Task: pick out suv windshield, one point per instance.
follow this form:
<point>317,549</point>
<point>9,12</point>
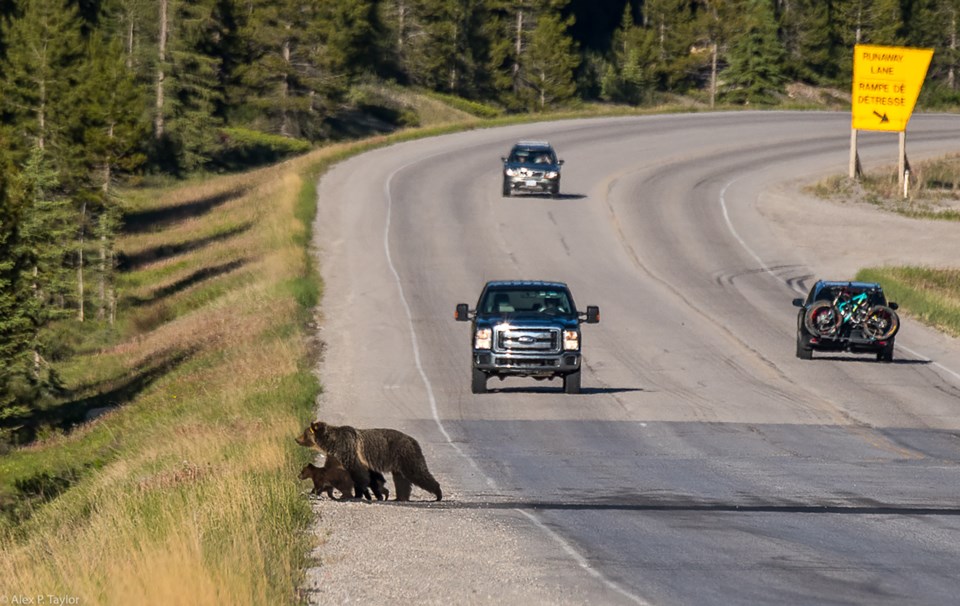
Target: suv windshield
<point>513,300</point>
<point>531,156</point>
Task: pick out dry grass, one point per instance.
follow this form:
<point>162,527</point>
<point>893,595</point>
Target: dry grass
<point>195,498</point>
<point>933,190</point>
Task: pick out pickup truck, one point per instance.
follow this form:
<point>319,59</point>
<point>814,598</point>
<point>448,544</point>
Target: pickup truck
<point>526,328</point>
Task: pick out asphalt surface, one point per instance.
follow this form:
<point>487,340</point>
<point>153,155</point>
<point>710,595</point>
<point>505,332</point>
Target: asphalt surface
<point>703,463</point>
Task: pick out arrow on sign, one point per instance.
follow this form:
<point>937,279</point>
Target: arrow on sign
<point>883,118</point>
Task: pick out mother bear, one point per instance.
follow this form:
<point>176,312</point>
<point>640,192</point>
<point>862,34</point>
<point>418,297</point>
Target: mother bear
<point>379,449</point>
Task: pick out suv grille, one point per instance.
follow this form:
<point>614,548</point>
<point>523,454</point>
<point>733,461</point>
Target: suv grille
<point>526,340</point>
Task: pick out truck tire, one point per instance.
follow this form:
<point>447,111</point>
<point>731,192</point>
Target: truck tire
<point>506,189</point>
<point>571,382</point>
<point>886,354</point>
<point>804,353</point>
<point>478,383</point>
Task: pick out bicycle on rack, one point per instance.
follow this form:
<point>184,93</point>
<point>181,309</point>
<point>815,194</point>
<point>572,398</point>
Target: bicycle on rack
<point>850,310</point>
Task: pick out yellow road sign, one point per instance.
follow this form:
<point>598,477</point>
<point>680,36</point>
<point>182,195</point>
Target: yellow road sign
<point>886,84</point>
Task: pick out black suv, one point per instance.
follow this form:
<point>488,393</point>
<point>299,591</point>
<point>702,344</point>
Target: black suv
<point>526,329</point>
<point>531,166</point>
<point>846,316</point>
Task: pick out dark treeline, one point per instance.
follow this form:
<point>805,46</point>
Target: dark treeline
<point>94,91</point>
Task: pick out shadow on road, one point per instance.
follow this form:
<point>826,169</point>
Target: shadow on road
<point>558,388</point>
<point>697,505</point>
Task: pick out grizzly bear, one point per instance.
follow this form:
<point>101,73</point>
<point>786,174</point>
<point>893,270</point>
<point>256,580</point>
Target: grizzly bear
<point>363,451</point>
<point>333,475</point>
<point>326,479</point>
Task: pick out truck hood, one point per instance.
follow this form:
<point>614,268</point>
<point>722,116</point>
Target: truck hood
<point>528,320</point>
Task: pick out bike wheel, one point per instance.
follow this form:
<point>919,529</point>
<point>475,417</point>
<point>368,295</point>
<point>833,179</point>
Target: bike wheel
<point>882,323</point>
<point>822,319</point>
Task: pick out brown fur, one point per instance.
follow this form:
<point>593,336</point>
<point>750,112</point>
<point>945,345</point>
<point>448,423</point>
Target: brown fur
<point>333,475</point>
<point>382,450</point>
<point>327,478</point>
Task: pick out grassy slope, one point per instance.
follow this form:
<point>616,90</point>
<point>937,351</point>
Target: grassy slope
<point>188,492</point>
<point>196,498</point>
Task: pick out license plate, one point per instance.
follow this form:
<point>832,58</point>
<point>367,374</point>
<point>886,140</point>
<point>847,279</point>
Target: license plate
<point>531,183</point>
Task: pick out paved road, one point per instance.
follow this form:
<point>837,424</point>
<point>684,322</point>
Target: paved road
<point>703,463</point>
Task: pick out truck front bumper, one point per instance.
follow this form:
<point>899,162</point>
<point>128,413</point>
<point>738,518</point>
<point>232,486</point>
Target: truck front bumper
<point>526,365</point>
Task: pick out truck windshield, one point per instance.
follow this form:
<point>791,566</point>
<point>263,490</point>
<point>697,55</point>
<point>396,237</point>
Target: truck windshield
<point>513,300</point>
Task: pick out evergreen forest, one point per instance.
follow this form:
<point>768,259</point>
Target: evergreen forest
<point>98,95</point>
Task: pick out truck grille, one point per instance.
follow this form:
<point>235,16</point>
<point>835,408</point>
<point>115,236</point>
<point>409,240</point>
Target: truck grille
<point>526,340</point>
<point>504,362</point>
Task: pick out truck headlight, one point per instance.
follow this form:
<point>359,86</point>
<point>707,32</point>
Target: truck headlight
<point>483,339</point>
<point>571,340</point>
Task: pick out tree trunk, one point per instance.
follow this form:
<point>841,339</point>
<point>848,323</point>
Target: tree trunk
<point>158,124</point>
<point>401,25</point>
<point>105,254</point>
<point>518,49</point>
<point>83,216</point>
<point>713,74</point>
<point>285,87</point>
<point>952,70</point>
<point>129,40</point>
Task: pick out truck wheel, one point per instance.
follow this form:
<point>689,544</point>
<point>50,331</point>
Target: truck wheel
<point>571,382</point>
<point>802,352</point>
<point>478,384</point>
<point>506,189</point>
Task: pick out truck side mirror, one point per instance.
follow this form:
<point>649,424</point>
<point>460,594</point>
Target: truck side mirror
<point>462,314</point>
<point>593,314</point>
<point>893,305</point>
<point>798,302</point>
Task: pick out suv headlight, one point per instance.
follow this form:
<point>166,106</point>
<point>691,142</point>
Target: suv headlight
<point>483,339</point>
<point>510,172</point>
<point>571,340</point>
<point>552,174</point>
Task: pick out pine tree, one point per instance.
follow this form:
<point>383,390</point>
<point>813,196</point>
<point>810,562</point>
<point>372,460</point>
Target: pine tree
<point>548,66</point>
<point>281,77</point>
<point>17,330</point>
<point>196,90</point>
<point>111,130</point>
<point>629,76</point>
<point>509,29</point>
<point>808,40</point>
<point>441,49</point>
<point>670,25</point>
<point>936,24</point>
<point>43,49</point>
<point>754,73</point>
<point>35,235</point>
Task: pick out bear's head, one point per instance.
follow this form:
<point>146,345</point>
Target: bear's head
<point>312,435</point>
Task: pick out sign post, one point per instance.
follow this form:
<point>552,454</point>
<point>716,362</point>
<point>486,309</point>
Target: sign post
<point>886,84</point>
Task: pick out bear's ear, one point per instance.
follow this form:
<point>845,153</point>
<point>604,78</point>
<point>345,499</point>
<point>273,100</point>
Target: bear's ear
<point>316,425</point>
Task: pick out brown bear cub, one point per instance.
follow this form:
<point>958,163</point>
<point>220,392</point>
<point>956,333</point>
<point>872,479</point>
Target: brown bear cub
<point>326,479</point>
<point>333,475</point>
<point>364,451</point>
